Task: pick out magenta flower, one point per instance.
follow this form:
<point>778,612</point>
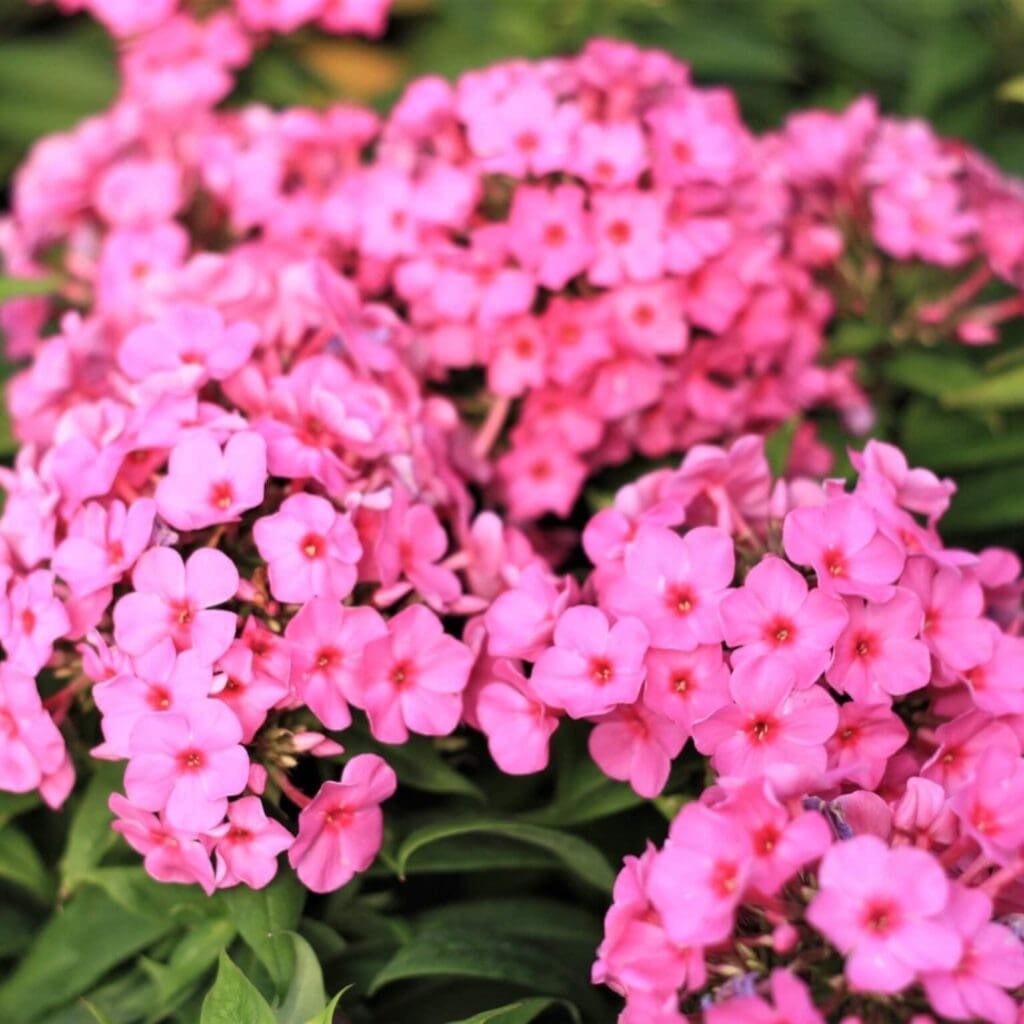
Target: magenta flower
<point>885,911</point>
<point>591,667</point>
<point>33,619</point>
<point>700,876</point>
<point>422,543</point>
<point>628,229</point>
<point>327,641</point>
<point>248,846</point>
<point>521,621</point>
<point>770,728</point>
<point>103,543</point>
<point>997,686</point>
<point>341,830</point>
<point>673,584</point>
<point>161,681</point>
<point>311,549</point>
<point>412,679</point>
<point>636,745</point>
<point>842,543</point>
<point>175,599</point>
<point>865,738</point>
<point>190,343</point>
<point>205,485</point>
<point>518,725</point>
<point>686,686</point>
<point>878,655</point>
<point>248,691</point>
<point>773,615</point>
<point>31,746</point>
<point>992,961</point>
<point>169,854</point>
<point>186,764</point>
<point>549,233</point>
<point>962,742</point>
<point>991,805</point>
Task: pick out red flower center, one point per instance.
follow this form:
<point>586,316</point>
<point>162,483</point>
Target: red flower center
<point>191,760</point>
<point>601,670</point>
<point>312,545</point>
<point>221,495</point>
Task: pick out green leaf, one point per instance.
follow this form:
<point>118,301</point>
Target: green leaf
<point>194,955</point>
<point>521,1012</point>
<point>74,949</point>
<point>417,764</point>
<point>21,864</point>
<point>856,338</point>
<point>234,999</point>
<point>479,953</point>
<point>90,835</point>
<point>586,795</point>
<point>1013,89</point>
<point>326,1016</point>
<point>264,918</point>
<point>932,373</point>
<point>575,854</point>
<point>306,995</point>
<point>1000,391</point>
<point>526,917</point>
<point>987,501</point>
<point>462,854</point>
<point>947,442</point>
<point>17,287</point>
<point>137,892</point>
<point>16,929</point>
<point>13,804</point>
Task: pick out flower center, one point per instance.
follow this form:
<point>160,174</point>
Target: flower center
<point>238,835</point>
<point>760,729</point>
<point>601,670</point>
<point>221,495</point>
<point>619,232</point>
<point>681,600</point>
<point>28,620</point>
<point>723,878</point>
<point>681,683</point>
<point>881,916</point>
<point>338,817</point>
<point>327,657</point>
<point>862,645</point>
<point>835,564</point>
<point>555,235</point>
<point>191,760</point>
<point>401,674</point>
<point>312,545</point>
<point>159,699</point>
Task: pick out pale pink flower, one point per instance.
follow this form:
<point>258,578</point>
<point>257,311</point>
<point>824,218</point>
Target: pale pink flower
<point>636,745</point>
<point>31,746</point>
<point>412,679</point>
<point>592,666</point>
<point>997,686</point>
<point>312,550</point>
<point>248,846</point>
<point>341,829</point>
<point>884,910</point>
<point>32,620</point>
<point>865,738</point>
<point>176,599</point>
<point>686,686</point>
<point>521,621</point>
<point>991,805</point>
<point>249,692</point>
<point>549,233</point>
<point>205,485</point>
<point>628,234</point>
<point>186,764</point>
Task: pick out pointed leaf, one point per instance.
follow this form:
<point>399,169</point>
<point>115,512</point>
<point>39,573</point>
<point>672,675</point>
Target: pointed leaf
<point>234,999</point>
<point>521,1012</point>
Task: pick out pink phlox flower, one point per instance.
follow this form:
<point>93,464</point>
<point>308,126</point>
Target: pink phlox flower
<point>277,16</point>
<point>341,830</point>
<point>878,656</point>
<point>186,764</point>
<point>576,337</point>
<point>32,619</point>
<point>90,443</point>
<point>103,543</point>
<point>770,728</point>
<point>422,542</point>
<point>923,810</point>
<point>791,1004</point>
<point>412,679</point>
<point>517,723</point>
<point>249,692</point>
<point>992,962</point>
<point>782,843</point>
<point>673,584</point>
<point>205,485</point>
<point>842,543</point>
<point>176,599</point>
<point>137,192</point>
<point>884,909</point>
<point>312,550</point>
<point>159,681</point>
<point>549,233</point>
<point>628,228</point>
<point>634,744</point>
<point>955,628</point>
<point>517,357</point>
<point>961,744</point>
<point>31,746</point>
<point>610,154</point>
<point>169,854</point>
<point>188,346</point>
<point>686,686</point>
<point>700,877</point>
<point>327,641</point>
<point>536,477</point>
<point>521,621</point>
<point>649,318</point>
<point>885,477</point>
<point>865,738</point>
<point>593,666</point>
<point>363,17</point>
<point>997,685</point>
<point>246,851</point>
<point>774,615</point>
<point>990,805</point>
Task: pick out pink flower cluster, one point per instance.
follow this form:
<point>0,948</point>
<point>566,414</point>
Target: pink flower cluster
<point>859,690</point>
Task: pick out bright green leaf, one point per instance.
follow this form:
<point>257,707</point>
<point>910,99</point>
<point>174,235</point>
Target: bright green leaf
<point>234,999</point>
<point>90,835</point>
<point>326,1016</point>
<point>306,995</point>
<point>264,917</point>
<point>1000,391</point>
<point>16,287</point>
<point>932,373</point>
<point>575,854</point>
<point>194,955</point>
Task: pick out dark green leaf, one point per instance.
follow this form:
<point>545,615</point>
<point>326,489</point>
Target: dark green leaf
<point>578,856</point>
<point>1001,391</point>
<point>988,500</point>
<point>234,999</point>
<point>194,955</point>
<point>90,835</point>
<point>526,917</point>
<point>306,996</point>
<point>13,804</point>
<point>522,1012</point>
<point>21,864</point>
<point>936,374</point>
